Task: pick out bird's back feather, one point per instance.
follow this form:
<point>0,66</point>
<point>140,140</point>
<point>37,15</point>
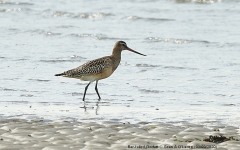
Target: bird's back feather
<point>90,68</point>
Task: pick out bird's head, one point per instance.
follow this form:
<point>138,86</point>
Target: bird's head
<point>121,45</point>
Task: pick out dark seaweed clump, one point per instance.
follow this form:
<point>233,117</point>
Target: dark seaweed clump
<point>218,139</point>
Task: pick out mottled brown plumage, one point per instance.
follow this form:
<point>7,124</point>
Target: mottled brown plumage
<point>99,68</point>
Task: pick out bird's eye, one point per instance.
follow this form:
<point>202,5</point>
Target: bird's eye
<point>123,44</point>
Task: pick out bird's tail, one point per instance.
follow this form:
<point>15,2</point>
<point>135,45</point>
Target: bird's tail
<point>68,73</point>
<point>60,74</point>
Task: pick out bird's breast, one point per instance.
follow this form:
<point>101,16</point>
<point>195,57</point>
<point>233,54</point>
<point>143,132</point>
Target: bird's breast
<point>93,77</point>
<point>106,73</point>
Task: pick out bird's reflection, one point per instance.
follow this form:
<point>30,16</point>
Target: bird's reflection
<point>90,108</point>
<point>97,108</point>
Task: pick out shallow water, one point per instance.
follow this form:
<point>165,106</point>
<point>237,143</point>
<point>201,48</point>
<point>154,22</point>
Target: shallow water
<point>190,74</point>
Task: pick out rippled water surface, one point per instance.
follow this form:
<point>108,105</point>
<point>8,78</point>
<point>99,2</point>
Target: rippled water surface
<point>191,72</point>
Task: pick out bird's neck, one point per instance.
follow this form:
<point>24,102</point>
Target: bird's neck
<point>116,52</point>
<point>116,57</point>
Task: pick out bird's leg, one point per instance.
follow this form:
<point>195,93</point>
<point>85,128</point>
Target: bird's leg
<point>96,89</point>
<point>86,90</point>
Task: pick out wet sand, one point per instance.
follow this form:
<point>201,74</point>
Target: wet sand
<point>188,83</point>
<point>38,134</point>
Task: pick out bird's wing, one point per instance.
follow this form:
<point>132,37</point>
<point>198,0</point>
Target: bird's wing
<point>92,67</point>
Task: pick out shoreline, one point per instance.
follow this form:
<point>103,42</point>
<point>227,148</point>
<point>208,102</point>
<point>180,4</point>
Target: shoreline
<point>37,134</point>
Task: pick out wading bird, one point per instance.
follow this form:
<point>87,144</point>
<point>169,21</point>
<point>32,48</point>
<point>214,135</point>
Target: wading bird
<point>98,69</point>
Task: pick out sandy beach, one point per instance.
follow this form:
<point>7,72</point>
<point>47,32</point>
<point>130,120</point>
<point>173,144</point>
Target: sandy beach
<point>16,134</point>
<point>183,95</point>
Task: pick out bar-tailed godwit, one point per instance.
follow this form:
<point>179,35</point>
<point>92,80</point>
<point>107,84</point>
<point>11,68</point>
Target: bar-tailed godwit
<point>98,69</point>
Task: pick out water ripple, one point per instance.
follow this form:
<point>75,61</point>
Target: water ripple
<point>166,67</point>
<point>54,13</point>
<point>150,91</point>
<point>148,19</point>
<point>26,95</point>
<point>95,36</point>
<point>177,41</point>
<point>146,65</point>
<point>157,91</point>
<point>73,58</point>
<point>39,80</point>
<point>6,89</point>
<point>47,33</point>
<point>56,60</point>
<point>14,3</point>
<point>175,67</point>
<point>198,1</point>
<point>11,10</point>
<point>91,15</point>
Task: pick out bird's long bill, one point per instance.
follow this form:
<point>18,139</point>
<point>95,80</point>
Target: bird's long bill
<point>135,51</point>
